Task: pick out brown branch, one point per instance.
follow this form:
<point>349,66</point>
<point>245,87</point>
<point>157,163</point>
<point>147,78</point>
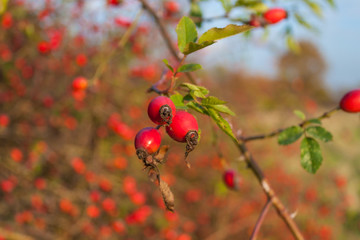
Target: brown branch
<point>260,220</point>
<point>165,34</point>
<point>278,131</point>
<point>270,193</point>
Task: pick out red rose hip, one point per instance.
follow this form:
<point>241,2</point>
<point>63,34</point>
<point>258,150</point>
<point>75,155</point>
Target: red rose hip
<point>350,102</point>
<point>184,128</point>
<point>161,110</point>
<point>79,84</point>
<point>147,139</point>
<point>231,179</point>
<point>275,15</point>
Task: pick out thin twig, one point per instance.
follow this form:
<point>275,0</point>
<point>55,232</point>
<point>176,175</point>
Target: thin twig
<point>165,35</point>
<point>260,220</point>
<point>278,131</point>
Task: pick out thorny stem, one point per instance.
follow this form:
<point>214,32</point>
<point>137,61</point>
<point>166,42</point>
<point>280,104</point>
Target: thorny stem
<point>260,220</point>
<point>164,34</point>
<point>270,193</point>
<point>278,131</point>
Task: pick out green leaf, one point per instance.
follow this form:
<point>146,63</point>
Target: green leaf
<point>168,65</point>
<point>198,94</point>
<point>191,86</point>
<point>300,114</point>
<point>293,45</point>
<point>189,67</point>
<point>203,90</point>
<point>290,135</point>
<point>226,5</point>
<point>254,5</point>
<point>311,157</point>
<point>197,107</point>
<point>193,47</point>
<point>3,6</point>
<point>186,32</point>
<point>195,11</point>
<point>223,109</point>
<point>302,22</point>
<point>314,7</point>
<point>222,123</point>
<point>178,100</point>
<point>211,100</point>
<point>332,3</point>
<point>314,121</point>
<point>319,133</point>
<point>218,33</point>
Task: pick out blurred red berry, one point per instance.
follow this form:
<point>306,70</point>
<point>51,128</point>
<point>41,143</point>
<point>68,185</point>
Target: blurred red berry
<point>275,15</point>
<point>93,211</point>
<point>79,83</point>
<point>40,183</point>
<point>138,198</point>
<point>105,185</point>
<point>16,154</point>
<point>114,2</point>
<point>4,120</point>
<point>7,185</point>
<point>118,226</point>
<point>81,60</point>
<point>7,20</point>
<point>109,205</point>
<point>231,179</point>
<point>78,165</point>
<point>44,47</point>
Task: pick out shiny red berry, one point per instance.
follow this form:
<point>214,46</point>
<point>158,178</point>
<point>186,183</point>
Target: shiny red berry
<point>231,179</point>
<point>171,7</point>
<point>161,110</point>
<point>148,139</point>
<point>351,101</point>
<point>275,15</point>
<point>181,125</point>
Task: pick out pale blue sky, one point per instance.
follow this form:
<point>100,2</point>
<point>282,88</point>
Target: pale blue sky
<point>338,41</point>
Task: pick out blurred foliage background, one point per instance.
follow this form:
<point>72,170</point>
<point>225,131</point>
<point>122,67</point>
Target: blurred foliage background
<point>68,168</point>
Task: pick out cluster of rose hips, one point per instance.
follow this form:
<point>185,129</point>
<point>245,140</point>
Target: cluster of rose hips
<point>180,126</point>
<point>271,16</point>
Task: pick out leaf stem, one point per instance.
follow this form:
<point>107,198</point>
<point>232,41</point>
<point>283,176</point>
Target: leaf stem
<point>327,114</point>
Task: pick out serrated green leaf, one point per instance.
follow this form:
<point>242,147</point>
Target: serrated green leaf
<point>314,7</point>
<point>168,65</point>
<point>197,107</point>
<point>218,33</point>
<point>300,114</point>
<point>290,135</point>
<point>191,86</point>
<point>319,133</point>
<point>314,121</point>
<point>203,90</point>
<point>226,5</point>
<point>195,11</point>
<point>211,100</point>
<point>198,94</point>
<point>293,45</point>
<point>186,32</point>
<point>222,109</point>
<point>189,67</point>
<point>178,100</point>
<point>3,6</point>
<point>222,123</point>
<point>193,47</point>
<point>311,157</point>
